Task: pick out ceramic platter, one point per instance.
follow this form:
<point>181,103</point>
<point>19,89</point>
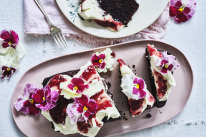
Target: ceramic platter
<point>133,53</point>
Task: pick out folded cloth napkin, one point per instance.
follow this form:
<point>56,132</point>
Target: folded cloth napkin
<point>35,24</point>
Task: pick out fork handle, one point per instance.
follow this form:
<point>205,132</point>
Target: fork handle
<point>39,4</point>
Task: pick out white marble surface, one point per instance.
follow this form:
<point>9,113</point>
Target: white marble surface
<point>190,38</point>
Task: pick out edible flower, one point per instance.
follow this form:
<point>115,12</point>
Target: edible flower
<point>7,72</point>
<point>10,38</point>
<point>45,99</point>
<point>167,63</point>
<point>138,87</point>
<point>77,85</point>
<point>98,61</point>
<point>81,109</point>
<point>182,10</point>
<point>26,103</point>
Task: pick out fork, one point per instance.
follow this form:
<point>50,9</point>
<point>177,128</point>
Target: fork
<point>55,32</point>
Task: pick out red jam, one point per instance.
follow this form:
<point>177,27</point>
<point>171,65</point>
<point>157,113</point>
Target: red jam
<point>111,24</point>
<point>87,74</point>
<point>162,84</point>
<point>102,100</point>
<point>121,62</point>
<point>83,126</point>
<point>135,106</point>
<point>55,81</point>
<point>113,54</point>
<point>153,51</point>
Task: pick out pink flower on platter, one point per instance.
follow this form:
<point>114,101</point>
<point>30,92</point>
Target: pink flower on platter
<point>77,85</point>
<point>167,63</point>
<point>7,72</point>
<point>98,61</point>
<point>81,109</point>
<point>182,10</point>
<point>11,38</point>
<point>25,103</point>
<point>45,99</point>
<point>138,87</point>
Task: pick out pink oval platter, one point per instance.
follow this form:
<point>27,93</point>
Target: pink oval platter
<point>133,53</point>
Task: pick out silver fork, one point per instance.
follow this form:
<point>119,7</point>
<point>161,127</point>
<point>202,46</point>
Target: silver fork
<point>55,32</point>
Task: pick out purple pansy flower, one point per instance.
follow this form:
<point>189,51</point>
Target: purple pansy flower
<point>7,72</point>
<point>138,87</point>
<point>11,38</point>
<point>45,99</point>
<point>98,61</point>
<point>77,85</point>
<point>25,103</point>
<point>167,62</point>
<point>182,10</point>
<point>81,109</point>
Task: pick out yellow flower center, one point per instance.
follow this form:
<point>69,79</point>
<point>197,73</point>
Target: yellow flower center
<point>181,9</point>
<point>137,86</point>
<point>8,69</point>
<point>100,60</point>
<point>85,108</point>
<point>43,98</point>
<point>75,88</point>
<point>9,43</point>
<point>32,101</point>
<point>166,66</point>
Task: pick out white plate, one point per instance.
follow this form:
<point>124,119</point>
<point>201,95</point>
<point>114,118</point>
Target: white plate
<point>148,12</point>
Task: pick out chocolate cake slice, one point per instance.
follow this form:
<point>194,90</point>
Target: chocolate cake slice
<point>83,103</point>
<point>113,14</point>
<point>161,66</point>
<point>134,87</point>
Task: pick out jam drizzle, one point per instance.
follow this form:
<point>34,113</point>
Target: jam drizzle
<point>153,51</point>
<point>162,84</point>
<point>55,81</point>
<point>87,74</point>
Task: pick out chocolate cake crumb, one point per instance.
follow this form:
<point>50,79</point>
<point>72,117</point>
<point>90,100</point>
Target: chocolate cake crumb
<point>148,115</point>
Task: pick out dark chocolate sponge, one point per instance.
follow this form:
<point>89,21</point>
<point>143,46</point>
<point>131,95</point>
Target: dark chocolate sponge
<point>120,10</point>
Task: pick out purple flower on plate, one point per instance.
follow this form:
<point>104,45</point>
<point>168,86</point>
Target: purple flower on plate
<point>45,99</point>
<point>182,10</point>
<point>98,61</point>
<point>11,38</point>
<point>82,108</point>
<point>138,88</point>
<point>167,63</point>
<point>7,72</point>
<point>77,85</point>
<point>25,103</point>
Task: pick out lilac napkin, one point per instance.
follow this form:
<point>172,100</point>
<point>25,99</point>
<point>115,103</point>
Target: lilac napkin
<point>35,24</point>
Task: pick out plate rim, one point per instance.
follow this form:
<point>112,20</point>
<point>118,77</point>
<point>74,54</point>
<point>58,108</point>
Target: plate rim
<point>109,37</point>
<point>99,48</point>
